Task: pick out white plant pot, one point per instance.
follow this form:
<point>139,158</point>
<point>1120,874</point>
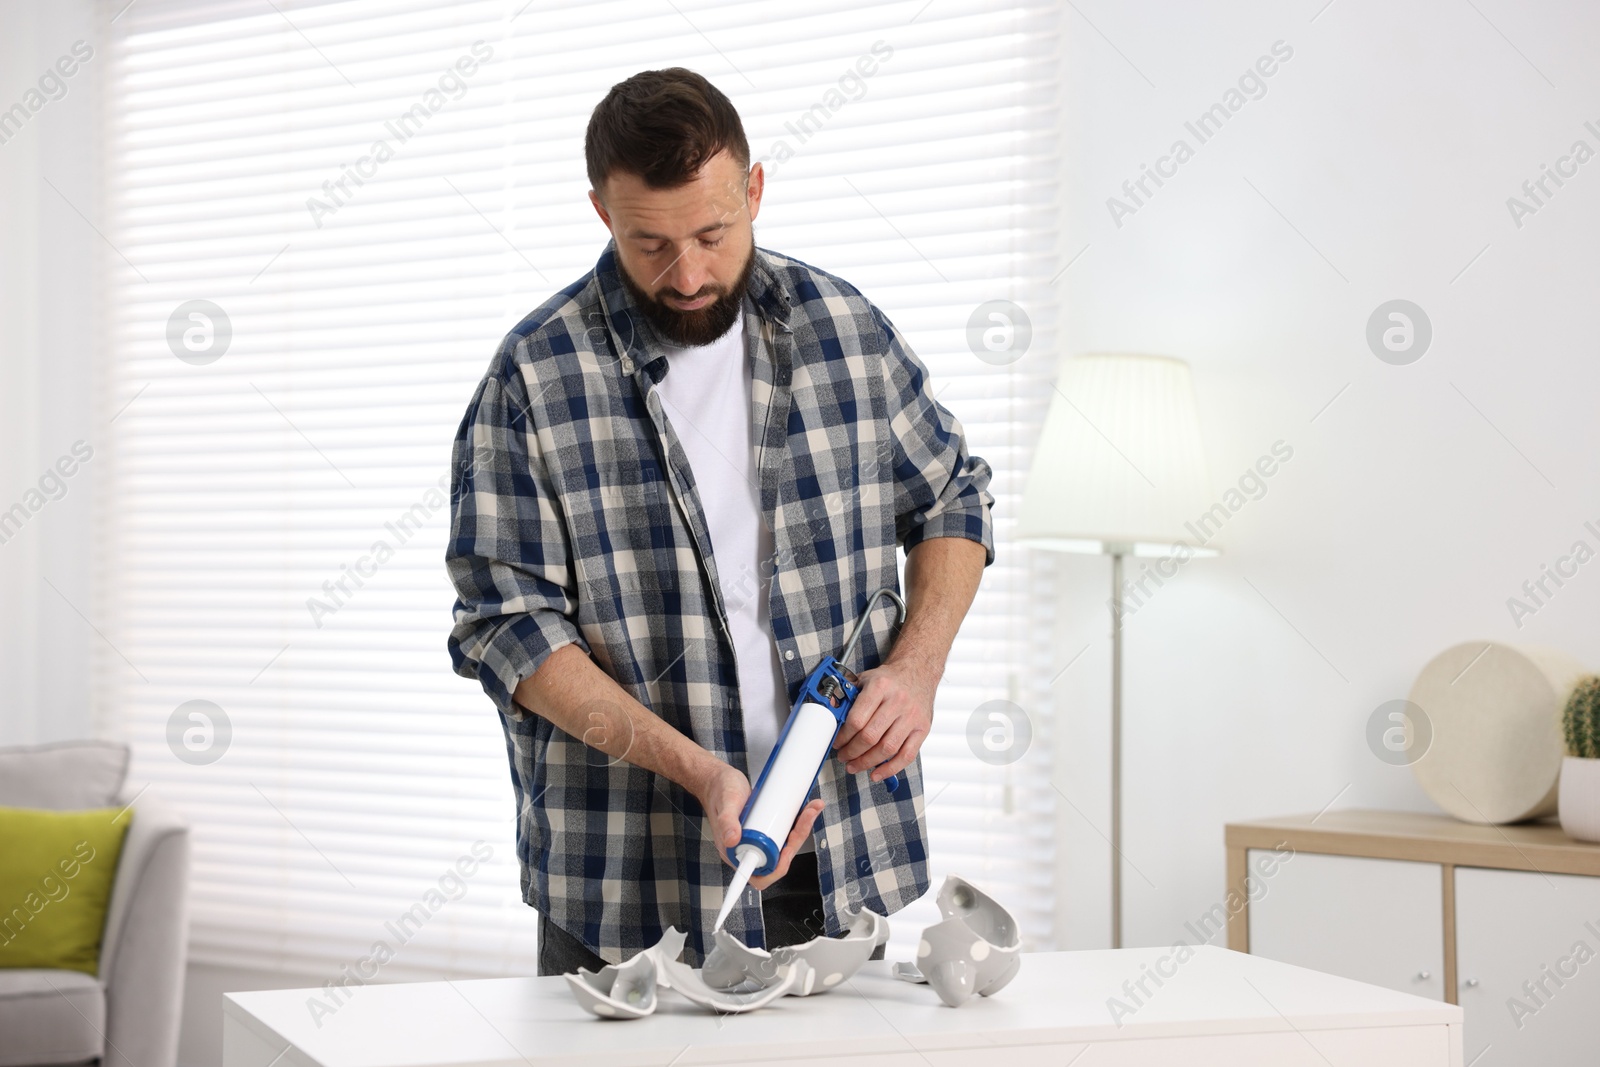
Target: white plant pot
<point>1580,798</point>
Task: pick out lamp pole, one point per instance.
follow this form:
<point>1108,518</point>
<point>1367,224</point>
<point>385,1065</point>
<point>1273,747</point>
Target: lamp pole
<point>1116,746</point>
<point>1084,494</point>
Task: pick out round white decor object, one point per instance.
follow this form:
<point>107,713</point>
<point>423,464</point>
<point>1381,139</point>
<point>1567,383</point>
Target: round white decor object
<point>1495,710</point>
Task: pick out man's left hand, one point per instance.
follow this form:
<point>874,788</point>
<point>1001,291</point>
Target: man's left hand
<point>889,721</point>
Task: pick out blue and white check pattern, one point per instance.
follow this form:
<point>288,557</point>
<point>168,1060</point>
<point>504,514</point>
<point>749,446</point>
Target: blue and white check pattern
<point>576,519</point>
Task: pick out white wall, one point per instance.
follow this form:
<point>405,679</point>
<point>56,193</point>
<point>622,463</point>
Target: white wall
<point>1390,141</point>
<point>47,339</point>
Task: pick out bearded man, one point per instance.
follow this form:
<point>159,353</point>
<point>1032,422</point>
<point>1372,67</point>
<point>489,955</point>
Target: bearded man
<point>677,486</point>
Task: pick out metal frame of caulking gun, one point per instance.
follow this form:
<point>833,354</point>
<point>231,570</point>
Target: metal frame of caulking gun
<point>828,686</point>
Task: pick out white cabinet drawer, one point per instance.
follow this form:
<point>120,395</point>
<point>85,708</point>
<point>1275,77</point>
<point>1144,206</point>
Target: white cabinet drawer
<point>1377,921</point>
<point>1528,967</point>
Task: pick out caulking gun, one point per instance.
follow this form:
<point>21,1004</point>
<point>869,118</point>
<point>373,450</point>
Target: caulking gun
<point>819,710</point>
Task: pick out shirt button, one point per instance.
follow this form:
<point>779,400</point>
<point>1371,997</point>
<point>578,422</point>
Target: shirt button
<point>627,365</point>
<point>789,654</point>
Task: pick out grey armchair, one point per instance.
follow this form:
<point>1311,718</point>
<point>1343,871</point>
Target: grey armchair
<point>127,1016</point>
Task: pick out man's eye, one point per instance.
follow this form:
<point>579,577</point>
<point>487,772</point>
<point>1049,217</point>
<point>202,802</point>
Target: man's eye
<point>655,251</point>
<point>713,244</point>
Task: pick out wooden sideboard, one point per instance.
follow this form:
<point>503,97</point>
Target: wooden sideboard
<point>1499,919</point>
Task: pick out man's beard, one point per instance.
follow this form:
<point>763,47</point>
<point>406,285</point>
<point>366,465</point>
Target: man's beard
<point>702,325</point>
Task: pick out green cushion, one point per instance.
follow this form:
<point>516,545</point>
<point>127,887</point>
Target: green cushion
<point>56,871</point>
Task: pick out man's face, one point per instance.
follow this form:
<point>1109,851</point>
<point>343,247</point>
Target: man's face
<point>686,253</point>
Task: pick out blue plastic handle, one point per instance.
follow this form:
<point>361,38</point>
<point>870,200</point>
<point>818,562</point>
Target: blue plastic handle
<point>830,671</point>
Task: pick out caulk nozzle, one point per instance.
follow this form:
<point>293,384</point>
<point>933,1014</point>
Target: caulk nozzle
<point>750,858</point>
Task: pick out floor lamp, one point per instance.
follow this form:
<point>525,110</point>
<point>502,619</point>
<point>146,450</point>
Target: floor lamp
<point>1120,471</point>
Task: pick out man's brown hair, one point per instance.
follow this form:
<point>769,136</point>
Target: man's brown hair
<point>662,125</point>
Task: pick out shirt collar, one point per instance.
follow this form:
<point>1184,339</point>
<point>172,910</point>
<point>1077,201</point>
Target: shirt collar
<point>640,342</point>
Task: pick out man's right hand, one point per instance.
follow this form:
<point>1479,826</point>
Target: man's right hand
<point>722,792</point>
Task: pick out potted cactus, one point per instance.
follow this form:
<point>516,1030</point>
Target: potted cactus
<point>1580,771</point>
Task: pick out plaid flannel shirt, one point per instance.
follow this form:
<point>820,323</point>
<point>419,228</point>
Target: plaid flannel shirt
<point>576,519</point>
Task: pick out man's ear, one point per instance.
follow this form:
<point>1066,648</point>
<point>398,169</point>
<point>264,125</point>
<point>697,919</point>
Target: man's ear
<point>599,208</point>
<point>755,185</point>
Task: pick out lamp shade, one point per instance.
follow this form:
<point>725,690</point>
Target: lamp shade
<point>1120,466</point>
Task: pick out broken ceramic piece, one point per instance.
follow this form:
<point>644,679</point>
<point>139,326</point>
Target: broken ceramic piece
<point>907,971</point>
<point>618,991</point>
<point>734,967</point>
<point>822,963</point>
<point>670,947</point>
<point>687,981</point>
<point>627,990</point>
<point>976,949</point>
<point>960,899</point>
<point>834,959</point>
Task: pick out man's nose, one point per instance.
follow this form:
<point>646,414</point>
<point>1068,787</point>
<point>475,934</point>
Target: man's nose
<point>688,273</point>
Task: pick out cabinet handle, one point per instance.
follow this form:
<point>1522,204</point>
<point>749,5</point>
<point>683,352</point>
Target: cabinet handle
<point>1424,975</point>
<point>1472,983</point>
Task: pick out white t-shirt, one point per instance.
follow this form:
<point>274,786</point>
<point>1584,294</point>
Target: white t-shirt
<point>706,393</point>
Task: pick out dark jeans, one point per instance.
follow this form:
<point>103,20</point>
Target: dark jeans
<point>791,908</point>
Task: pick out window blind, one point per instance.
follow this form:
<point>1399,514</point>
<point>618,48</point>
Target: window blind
<point>322,219</point>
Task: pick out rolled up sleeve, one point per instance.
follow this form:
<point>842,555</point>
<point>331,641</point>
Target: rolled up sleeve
<point>939,490</point>
<point>508,555</point>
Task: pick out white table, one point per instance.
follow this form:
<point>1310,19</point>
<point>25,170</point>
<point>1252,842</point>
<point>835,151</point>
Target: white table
<point>1220,1008</point>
